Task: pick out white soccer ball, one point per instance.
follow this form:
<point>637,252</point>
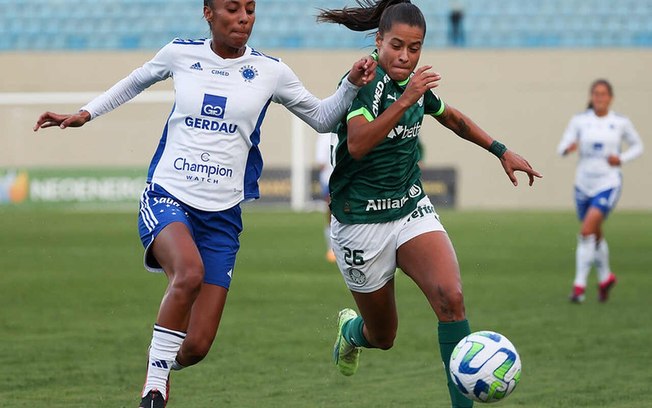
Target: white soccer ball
<point>485,366</point>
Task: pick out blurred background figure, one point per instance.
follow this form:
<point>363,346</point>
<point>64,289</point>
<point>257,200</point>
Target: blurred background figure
<point>455,24</point>
<point>597,134</point>
<point>323,151</point>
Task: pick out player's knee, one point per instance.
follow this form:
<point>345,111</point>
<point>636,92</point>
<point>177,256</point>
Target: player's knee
<point>451,306</point>
<point>194,351</point>
<point>188,278</point>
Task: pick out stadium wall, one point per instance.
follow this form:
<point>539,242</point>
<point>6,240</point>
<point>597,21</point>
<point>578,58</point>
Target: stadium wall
<point>524,98</point>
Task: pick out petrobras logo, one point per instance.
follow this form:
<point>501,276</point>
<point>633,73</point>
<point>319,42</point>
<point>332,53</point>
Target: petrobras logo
<point>213,106</point>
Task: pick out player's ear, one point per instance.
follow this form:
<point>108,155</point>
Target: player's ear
<point>208,13</point>
<point>379,40</point>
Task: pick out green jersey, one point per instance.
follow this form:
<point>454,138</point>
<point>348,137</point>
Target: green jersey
<point>385,185</point>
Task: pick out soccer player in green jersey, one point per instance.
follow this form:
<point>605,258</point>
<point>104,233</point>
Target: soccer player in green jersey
<point>382,219</point>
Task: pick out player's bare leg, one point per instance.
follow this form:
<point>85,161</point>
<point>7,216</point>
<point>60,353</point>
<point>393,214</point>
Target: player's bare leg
<point>430,260</point>
<point>204,320</point>
<point>374,328</point>
<point>378,310</point>
<point>176,252</point>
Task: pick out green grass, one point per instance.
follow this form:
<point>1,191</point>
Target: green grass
<point>76,310</point>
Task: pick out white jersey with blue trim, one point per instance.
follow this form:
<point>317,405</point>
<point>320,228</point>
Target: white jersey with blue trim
<point>597,138</point>
<point>208,155</point>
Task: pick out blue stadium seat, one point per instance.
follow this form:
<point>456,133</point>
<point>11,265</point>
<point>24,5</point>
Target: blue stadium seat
<point>149,24</point>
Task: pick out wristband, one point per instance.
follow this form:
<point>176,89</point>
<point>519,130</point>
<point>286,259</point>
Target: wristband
<point>498,149</point>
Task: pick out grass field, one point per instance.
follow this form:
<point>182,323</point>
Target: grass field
<point>76,310</point>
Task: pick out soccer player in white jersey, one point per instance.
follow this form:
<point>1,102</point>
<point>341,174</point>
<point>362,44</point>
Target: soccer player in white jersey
<point>207,162</point>
<point>597,135</point>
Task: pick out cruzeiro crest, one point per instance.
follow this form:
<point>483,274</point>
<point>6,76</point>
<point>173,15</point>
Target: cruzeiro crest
<point>248,72</point>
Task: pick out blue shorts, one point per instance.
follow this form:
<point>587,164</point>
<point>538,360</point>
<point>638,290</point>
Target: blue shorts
<point>605,201</point>
<point>216,234</point>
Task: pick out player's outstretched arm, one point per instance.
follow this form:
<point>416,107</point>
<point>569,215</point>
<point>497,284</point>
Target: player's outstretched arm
<point>465,128</point>
<point>49,119</point>
<point>363,71</point>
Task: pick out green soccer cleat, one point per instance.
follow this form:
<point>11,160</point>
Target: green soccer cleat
<point>345,355</point>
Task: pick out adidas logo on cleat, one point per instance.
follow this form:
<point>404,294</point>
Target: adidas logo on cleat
<point>196,66</point>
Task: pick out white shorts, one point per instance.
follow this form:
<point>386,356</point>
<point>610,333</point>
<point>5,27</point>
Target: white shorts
<point>366,253</point>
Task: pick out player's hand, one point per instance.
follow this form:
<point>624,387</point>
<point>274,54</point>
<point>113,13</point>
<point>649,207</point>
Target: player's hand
<point>423,80</point>
<point>513,162</point>
<point>570,149</point>
<point>363,71</point>
<point>614,160</point>
<point>49,119</point>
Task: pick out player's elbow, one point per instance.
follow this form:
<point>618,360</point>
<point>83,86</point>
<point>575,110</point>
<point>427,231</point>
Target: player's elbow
<point>356,151</point>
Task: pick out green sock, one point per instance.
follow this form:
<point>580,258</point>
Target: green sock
<point>352,332</point>
<point>450,333</point>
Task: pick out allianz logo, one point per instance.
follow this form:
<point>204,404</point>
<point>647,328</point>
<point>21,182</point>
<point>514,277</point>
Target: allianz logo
<point>380,204</point>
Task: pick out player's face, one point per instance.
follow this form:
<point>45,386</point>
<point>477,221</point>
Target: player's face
<point>601,99</point>
<point>399,50</point>
<point>231,23</point>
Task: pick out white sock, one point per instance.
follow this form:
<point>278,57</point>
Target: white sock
<point>584,258</point>
<point>602,260</point>
<point>162,354</point>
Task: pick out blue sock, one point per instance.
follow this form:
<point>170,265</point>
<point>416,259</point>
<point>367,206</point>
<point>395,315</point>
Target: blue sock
<point>352,332</point>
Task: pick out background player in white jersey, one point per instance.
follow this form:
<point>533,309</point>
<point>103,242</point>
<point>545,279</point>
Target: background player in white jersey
<point>598,135</point>
<point>382,219</point>
<point>323,151</point>
<point>207,162</point>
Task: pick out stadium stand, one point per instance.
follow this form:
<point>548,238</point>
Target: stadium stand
<point>149,24</point>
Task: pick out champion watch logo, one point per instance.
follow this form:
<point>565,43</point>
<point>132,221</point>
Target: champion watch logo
<point>196,66</point>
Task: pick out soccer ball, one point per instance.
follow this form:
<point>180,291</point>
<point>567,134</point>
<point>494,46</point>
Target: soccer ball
<point>485,366</point>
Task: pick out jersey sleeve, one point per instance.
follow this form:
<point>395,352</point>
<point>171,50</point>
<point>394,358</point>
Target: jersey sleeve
<point>363,104</point>
<point>634,142</point>
<point>155,70</point>
<point>320,114</point>
<point>433,105</point>
<point>570,136</point>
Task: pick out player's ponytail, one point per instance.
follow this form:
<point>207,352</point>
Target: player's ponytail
<point>375,14</point>
<point>596,83</point>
